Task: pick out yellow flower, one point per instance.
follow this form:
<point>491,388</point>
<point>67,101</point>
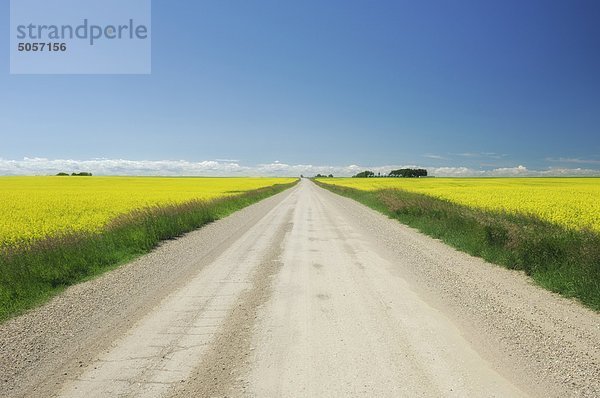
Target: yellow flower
<point>570,202</point>
<point>37,207</point>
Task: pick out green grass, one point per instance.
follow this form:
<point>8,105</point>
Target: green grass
<point>30,277</point>
<point>561,260</point>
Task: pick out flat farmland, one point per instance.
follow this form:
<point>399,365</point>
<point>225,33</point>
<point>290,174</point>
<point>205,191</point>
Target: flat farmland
<point>306,294</point>
<point>570,202</point>
<point>58,231</point>
<point>34,208</point>
<point>547,227</point>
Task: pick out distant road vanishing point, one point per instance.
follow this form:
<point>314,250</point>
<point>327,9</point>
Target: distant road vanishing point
<point>305,294</point>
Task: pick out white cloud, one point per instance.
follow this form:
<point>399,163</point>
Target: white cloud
<point>518,171</point>
<point>510,171</point>
<point>563,172</point>
<point>435,157</point>
<point>468,155</point>
<point>44,166</point>
<point>484,155</point>
<point>455,172</point>
<point>574,160</point>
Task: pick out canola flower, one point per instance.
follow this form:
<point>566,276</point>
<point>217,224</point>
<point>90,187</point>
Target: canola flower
<point>571,202</point>
<point>32,208</point>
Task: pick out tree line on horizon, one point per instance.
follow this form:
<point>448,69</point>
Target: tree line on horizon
<point>400,173</point>
<point>82,174</point>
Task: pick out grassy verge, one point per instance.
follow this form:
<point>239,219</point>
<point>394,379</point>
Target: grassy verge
<point>561,260</point>
<point>30,277</point>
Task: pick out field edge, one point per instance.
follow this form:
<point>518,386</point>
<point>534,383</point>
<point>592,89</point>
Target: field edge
<point>561,260</point>
<point>29,278</point>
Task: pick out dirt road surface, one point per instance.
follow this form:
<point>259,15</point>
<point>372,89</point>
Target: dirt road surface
<point>306,294</point>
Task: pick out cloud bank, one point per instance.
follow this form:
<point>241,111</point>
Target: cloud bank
<point>224,167</point>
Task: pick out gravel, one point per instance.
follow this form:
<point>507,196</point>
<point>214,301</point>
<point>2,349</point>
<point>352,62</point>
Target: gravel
<point>315,293</point>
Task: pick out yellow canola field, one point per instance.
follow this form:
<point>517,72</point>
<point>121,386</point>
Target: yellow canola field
<point>570,202</point>
<point>38,207</point>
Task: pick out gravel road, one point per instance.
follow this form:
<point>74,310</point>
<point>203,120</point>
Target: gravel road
<point>305,294</point>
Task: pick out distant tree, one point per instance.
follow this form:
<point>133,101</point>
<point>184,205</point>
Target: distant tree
<point>83,174</point>
<point>301,175</point>
<point>62,174</point>
<point>408,173</point>
<point>364,174</point>
<point>330,176</point>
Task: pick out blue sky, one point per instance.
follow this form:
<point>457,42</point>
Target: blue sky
<point>266,87</point>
